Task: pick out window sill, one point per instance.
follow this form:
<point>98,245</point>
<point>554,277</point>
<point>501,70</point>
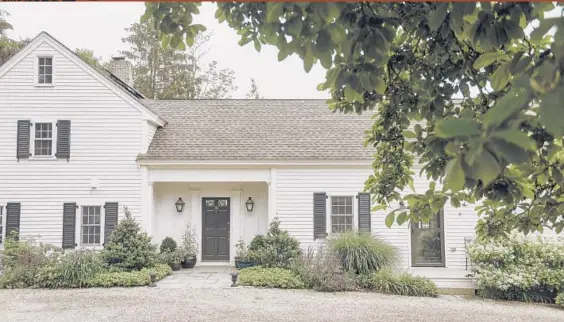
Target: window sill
<point>90,247</point>
<point>44,85</point>
<point>45,158</point>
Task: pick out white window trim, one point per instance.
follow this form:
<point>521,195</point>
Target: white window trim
<point>3,224</point>
<point>53,138</point>
<point>78,227</point>
<point>36,71</point>
<point>329,212</point>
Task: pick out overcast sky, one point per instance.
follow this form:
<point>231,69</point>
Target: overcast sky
<point>100,27</point>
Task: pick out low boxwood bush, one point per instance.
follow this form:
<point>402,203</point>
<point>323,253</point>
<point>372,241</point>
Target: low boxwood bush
<point>362,253</point>
<point>320,269</point>
<point>519,268</point>
<point>388,282</point>
<point>128,279</point>
<point>269,277</point>
<point>275,249</point>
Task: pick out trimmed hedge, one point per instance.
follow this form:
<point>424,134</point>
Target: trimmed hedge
<point>387,282</point>
<point>269,277</point>
<point>128,279</point>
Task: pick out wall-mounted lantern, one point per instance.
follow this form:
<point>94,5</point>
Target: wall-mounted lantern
<point>250,204</point>
<point>179,205</point>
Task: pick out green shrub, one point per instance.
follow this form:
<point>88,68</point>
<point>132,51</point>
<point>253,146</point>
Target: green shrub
<point>362,253</point>
<point>168,245</point>
<point>128,279</point>
<point>129,248</point>
<point>269,277</point>
<point>385,281</point>
<point>73,269</point>
<point>275,249</point>
<point>560,300</point>
<point>321,270</point>
<point>518,268</point>
<point>24,261</point>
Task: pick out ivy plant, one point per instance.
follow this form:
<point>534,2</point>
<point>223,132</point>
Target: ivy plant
<point>499,148</point>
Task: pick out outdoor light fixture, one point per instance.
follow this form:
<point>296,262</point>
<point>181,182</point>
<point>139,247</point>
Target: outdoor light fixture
<point>250,204</point>
<point>179,205</point>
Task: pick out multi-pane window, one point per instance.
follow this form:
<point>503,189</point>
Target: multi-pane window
<point>90,226</point>
<point>43,141</point>
<point>341,214</point>
<point>45,73</point>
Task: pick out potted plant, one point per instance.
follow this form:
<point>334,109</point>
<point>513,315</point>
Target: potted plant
<point>242,255</point>
<point>170,254</point>
<point>189,247</point>
<point>175,259</point>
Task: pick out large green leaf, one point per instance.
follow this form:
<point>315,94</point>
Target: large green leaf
<point>544,26</point>
<point>390,219</point>
<point>486,59</point>
<point>501,77</point>
<point>454,175</point>
<point>509,104</point>
<point>437,16</point>
<point>552,112</point>
<point>510,152</point>
<point>486,167</point>
<point>516,137</point>
<point>450,128</point>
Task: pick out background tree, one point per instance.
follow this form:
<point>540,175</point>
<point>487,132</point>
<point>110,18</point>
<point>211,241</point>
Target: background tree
<point>88,56</point>
<point>8,47</point>
<point>163,72</point>
<point>254,92</point>
<point>410,62</point>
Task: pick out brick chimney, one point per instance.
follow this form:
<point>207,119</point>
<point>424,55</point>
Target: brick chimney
<point>122,69</point>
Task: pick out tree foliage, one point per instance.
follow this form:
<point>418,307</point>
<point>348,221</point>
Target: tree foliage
<point>165,72</point>
<point>8,47</point>
<point>500,148</point>
<point>254,93</point>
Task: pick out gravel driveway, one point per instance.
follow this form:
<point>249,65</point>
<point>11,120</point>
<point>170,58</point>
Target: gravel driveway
<point>248,304</point>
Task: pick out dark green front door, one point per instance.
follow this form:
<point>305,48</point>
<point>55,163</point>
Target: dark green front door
<point>215,229</point>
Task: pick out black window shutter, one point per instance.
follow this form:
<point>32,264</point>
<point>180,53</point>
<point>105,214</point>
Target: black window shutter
<point>110,219</point>
<point>364,220</point>
<point>69,225</point>
<point>13,210</point>
<point>63,139</point>
<point>319,215</point>
<point>23,139</point>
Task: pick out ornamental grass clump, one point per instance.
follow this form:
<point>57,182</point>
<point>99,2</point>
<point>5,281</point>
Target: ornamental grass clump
<point>519,268</point>
<point>362,253</point>
<point>387,282</point>
<point>321,270</point>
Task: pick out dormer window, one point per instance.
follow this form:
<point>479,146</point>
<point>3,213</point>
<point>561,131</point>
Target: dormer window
<point>45,72</point>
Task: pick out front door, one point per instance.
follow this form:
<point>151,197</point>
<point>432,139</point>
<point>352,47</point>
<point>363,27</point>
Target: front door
<point>215,229</point>
<point>428,242</point>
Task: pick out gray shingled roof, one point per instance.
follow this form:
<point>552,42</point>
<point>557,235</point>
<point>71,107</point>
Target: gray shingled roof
<point>256,130</point>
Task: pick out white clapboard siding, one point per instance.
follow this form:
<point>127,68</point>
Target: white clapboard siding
<point>105,141</point>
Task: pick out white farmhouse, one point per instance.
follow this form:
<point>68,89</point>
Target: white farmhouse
<point>77,144</point>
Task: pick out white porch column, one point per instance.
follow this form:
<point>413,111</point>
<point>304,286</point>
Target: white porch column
<point>195,218</point>
<point>236,222</point>
<point>147,203</point>
<point>272,196</point>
